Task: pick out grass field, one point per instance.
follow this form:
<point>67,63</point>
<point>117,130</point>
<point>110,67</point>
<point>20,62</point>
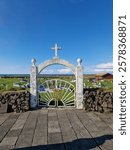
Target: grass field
<point>104,84</point>
<point>6,84</point>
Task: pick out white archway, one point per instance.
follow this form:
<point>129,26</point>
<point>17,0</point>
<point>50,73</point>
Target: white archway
<point>78,72</point>
<point>56,61</point>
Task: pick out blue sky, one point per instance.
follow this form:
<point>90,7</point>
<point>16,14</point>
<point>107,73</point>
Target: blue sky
<point>29,28</point>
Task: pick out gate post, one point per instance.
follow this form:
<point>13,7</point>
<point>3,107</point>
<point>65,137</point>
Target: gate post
<point>79,84</point>
<point>33,84</point>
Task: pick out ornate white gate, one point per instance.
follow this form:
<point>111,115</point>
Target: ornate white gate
<point>78,72</point>
<point>56,93</point>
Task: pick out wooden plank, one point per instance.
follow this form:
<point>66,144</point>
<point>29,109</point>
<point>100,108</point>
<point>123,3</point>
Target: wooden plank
<point>3,117</point>
<point>53,126</point>
<point>13,133</point>
<point>107,118</point>
<point>7,147</point>
<point>20,121</point>
<point>8,141</point>
<point>102,126</point>
<point>68,134</point>
<point>55,142</point>
<point>101,136</point>
<point>105,129</point>
<point>40,135</point>
<point>5,127</point>
<point>54,132</point>
<point>85,139</point>
<point>26,137</point>
<point>109,122</point>
<point>15,130</point>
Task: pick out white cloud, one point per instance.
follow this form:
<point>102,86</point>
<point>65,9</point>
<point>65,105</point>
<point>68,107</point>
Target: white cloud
<point>15,69</point>
<point>105,65</point>
<point>48,71</point>
<point>100,68</point>
<point>57,71</point>
<point>93,69</point>
<point>64,71</point>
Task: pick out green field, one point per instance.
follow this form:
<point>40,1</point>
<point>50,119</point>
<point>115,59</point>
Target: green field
<point>104,84</point>
<point>6,84</point>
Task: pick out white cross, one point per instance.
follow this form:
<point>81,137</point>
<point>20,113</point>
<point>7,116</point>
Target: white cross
<point>56,48</point>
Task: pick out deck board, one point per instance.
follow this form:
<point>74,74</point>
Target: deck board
<point>101,132</point>
<point>5,127</point>
<point>68,134</point>
<point>26,137</point>
<point>81,132</point>
<point>56,129</point>
<point>40,135</point>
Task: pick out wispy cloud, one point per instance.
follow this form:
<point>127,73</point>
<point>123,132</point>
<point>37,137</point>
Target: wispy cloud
<point>14,69</point>
<point>21,69</point>
<point>100,68</point>
<point>57,71</point>
<point>105,65</point>
<point>65,70</point>
<point>49,71</point>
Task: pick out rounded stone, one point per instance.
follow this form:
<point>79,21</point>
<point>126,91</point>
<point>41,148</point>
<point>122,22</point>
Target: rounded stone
<point>33,60</point>
<point>79,61</point>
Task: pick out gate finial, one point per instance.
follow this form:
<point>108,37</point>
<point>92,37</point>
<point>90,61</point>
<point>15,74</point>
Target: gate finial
<point>33,61</point>
<point>79,61</point>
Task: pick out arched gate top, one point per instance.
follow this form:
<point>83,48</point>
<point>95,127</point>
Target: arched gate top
<point>56,61</point>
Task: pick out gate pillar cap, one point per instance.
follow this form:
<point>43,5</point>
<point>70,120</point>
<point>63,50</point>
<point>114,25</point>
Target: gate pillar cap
<point>33,61</point>
<point>79,61</point>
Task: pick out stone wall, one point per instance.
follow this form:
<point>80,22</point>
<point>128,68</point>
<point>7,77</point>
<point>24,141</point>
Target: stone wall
<point>17,101</point>
<point>94,100</point>
<point>98,100</point>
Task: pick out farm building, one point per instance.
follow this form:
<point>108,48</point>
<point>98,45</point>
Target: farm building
<point>104,76</point>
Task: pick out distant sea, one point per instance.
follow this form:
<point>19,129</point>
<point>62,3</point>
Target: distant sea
<point>28,75</point>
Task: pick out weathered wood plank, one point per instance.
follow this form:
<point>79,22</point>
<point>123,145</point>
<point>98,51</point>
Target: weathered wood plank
<point>15,130</point>
<point>107,118</point>
<point>20,121</point>
<point>102,126</point>
<point>3,117</point>
<point>85,139</point>
<point>7,147</point>
<point>109,122</point>
<point>5,127</point>
<point>9,141</point>
<point>40,135</point>
<point>54,132</point>
<point>26,137</point>
<point>68,134</point>
<point>13,133</point>
<point>101,136</point>
<point>104,130</point>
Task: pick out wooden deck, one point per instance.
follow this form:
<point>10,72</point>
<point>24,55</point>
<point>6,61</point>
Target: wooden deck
<point>56,129</point>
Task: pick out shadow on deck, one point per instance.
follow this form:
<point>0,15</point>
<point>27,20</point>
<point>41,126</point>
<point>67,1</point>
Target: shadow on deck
<point>87,143</point>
